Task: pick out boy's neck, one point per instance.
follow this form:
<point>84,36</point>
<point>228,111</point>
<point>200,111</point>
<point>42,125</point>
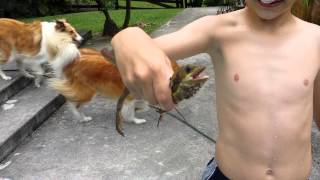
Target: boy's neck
<point>268,25</point>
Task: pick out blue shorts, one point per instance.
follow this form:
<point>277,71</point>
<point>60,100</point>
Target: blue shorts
<point>212,172</point>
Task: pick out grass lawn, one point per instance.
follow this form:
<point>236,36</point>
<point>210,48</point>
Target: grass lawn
<point>94,20</point>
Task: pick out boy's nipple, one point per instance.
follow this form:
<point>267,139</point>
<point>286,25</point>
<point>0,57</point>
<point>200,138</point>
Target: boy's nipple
<point>236,77</point>
<point>306,82</point>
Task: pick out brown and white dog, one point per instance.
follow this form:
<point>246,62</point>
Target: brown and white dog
<point>32,44</point>
<point>89,74</point>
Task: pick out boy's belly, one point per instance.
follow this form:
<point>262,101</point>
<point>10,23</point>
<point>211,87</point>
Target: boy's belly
<point>264,142</point>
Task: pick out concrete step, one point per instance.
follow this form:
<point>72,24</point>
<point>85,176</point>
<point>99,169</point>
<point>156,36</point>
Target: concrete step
<point>12,87</point>
<point>32,107</point>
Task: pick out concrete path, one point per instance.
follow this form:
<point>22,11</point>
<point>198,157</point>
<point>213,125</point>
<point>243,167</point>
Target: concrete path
<point>63,148</point>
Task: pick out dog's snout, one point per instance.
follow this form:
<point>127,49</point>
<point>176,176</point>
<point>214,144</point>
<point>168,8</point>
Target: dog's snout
<point>79,39</point>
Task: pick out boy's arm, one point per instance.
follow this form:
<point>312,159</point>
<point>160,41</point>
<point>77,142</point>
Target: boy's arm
<point>316,100</point>
<point>144,62</point>
<point>194,38</point>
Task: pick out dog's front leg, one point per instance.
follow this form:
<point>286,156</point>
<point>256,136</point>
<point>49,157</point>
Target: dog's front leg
<point>128,112</point>
<point>74,107</point>
<point>38,72</point>
<point>4,56</point>
<point>22,69</point>
<point>141,105</point>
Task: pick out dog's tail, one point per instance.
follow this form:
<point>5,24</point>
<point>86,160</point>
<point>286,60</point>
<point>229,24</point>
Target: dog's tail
<point>75,92</point>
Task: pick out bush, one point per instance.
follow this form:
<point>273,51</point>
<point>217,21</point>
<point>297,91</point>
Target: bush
<point>235,4</point>
<point>214,3</point>
<point>196,3</point>
<point>32,8</point>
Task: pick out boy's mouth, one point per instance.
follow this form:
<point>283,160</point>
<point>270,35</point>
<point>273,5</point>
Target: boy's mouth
<point>269,3</point>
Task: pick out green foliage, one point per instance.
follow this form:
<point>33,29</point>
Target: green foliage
<point>196,3</point>
<point>29,8</point>
<point>234,4</point>
<point>305,2</point>
<point>213,2</point>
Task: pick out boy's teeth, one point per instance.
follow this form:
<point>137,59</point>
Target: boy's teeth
<point>267,1</point>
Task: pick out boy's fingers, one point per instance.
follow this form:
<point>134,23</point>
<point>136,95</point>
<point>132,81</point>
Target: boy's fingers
<point>135,94</point>
<point>149,95</point>
<point>162,93</point>
<point>134,91</point>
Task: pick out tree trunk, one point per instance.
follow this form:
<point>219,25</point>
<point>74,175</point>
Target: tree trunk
<point>127,17</point>
<point>116,4</point>
<point>77,3</point>
<point>110,28</point>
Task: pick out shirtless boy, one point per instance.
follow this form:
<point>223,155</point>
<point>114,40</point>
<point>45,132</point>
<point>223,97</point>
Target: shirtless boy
<point>266,77</point>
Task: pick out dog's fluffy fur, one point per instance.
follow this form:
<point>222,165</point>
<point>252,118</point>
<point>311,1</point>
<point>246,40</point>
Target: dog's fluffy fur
<point>89,74</point>
<point>31,45</point>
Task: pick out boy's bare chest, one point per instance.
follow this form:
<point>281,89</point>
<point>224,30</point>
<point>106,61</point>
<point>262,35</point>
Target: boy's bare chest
<point>258,68</point>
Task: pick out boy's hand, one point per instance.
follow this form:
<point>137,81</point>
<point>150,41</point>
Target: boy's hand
<point>144,67</point>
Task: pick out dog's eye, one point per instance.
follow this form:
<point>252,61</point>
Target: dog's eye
<point>71,31</point>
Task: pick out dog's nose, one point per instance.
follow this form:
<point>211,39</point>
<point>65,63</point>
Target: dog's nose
<point>79,39</point>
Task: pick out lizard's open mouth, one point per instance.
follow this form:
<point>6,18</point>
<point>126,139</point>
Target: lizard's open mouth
<point>197,74</point>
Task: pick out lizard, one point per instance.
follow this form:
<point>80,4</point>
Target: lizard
<point>185,83</point>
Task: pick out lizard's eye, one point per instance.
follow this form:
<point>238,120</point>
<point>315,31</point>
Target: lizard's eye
<point>188,69</point>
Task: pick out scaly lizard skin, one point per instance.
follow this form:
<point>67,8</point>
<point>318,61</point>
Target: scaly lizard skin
<point>184,83</point>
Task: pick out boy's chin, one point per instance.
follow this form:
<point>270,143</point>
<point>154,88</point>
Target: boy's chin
<point>268,15</point>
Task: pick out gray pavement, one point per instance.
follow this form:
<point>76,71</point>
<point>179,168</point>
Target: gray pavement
<point>31,107</point>
<point>63,148</point>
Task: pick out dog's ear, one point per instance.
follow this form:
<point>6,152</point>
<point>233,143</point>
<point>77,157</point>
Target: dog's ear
<point>62,20</point>
<point>60,24</point>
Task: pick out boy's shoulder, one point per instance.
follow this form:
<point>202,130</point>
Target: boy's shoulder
<point>227,19</point>
<point>308,26</point>
<point>217,24</point>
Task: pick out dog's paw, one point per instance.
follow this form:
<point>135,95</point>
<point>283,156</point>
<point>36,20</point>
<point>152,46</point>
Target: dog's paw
<point>86,119</point>
<point>37,84</point>
<point>139,121</point>
<point>7,78</point>
<point>28,75</point>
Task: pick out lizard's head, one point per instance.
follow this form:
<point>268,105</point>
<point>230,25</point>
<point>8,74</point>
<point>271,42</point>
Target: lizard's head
<point>187,81</point>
